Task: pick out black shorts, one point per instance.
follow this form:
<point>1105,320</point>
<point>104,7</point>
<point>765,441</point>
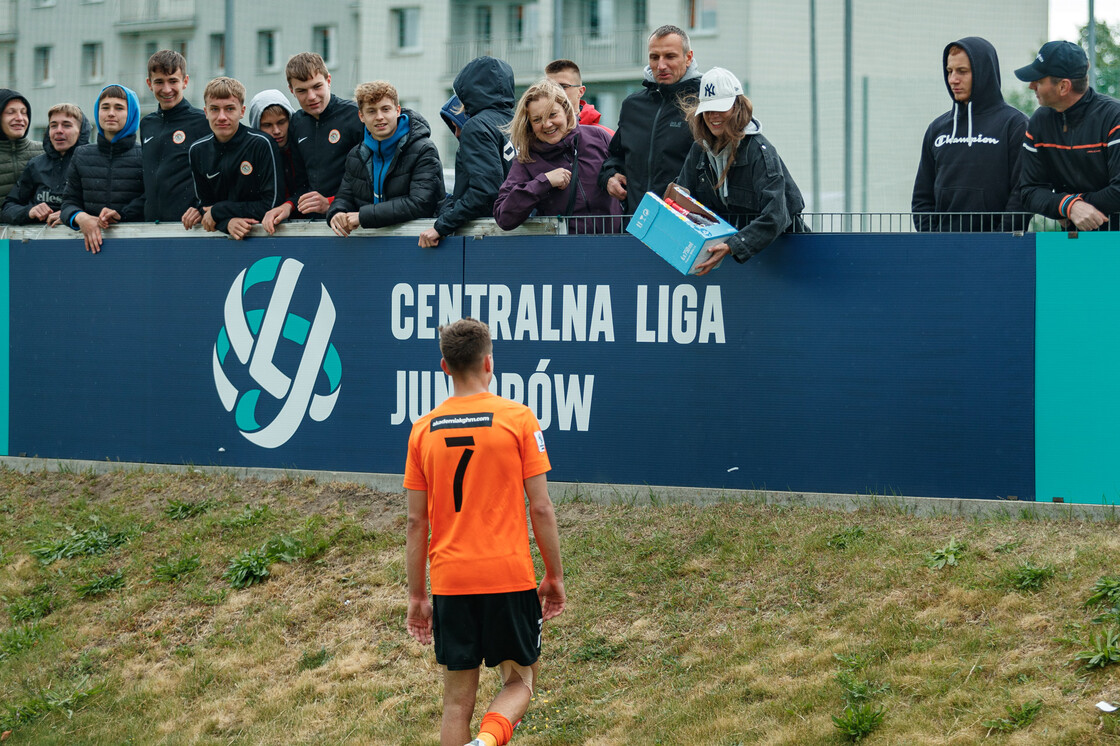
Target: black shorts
<point>490,627</point>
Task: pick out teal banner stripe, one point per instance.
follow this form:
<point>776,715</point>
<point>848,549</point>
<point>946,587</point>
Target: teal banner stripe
<point>1077,368</point>
<point>5,354</point>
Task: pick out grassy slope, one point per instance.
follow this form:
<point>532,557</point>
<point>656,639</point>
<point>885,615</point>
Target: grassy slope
<point>716,625</point>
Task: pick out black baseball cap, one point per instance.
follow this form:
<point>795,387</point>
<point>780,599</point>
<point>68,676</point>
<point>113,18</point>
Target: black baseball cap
<point>1058,59</point>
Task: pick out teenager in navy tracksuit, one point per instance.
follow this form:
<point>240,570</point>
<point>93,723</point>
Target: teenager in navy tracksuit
<point>105,181</point>
<point>970,155</point>
<point>236,180</point>
<point>323,132</point>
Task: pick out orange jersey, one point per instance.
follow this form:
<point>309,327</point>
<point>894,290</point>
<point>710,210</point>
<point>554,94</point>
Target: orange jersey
<point>472,455</point>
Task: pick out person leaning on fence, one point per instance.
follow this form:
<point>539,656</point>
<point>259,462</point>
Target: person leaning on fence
<point>471,463</point>
<point>37,196</point>
<point>970,155</point>
<point>166,135</point>
<point>565,74</point>
<point>734,170</point>
<point>16,148</point>
<point>558,162</point>
<point>105,181</point>
<point>395,175</point>
<point>485,87</point>
<point>1071,154</point>
<point>234,170</point>
<point>652,140</point>
<point>325,130</point>
<point>271,113</point>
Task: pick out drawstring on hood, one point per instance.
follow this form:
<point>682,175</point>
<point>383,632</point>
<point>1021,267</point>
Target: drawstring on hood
<point>986,92</point>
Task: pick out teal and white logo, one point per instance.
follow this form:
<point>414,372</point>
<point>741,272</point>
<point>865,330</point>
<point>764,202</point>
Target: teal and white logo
<point>254,335</point>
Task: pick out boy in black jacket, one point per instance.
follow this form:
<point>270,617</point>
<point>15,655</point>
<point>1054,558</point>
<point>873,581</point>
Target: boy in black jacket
<point>166,135</point>
<point>105,181</point>
<point>234,168</point>
<point>37,196</point>
<point>323,131</point>
<point>395,175</point>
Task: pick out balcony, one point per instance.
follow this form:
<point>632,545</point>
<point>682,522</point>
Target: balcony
<point>622,50</point>
<point>8,20</point>
<point>155,15</point>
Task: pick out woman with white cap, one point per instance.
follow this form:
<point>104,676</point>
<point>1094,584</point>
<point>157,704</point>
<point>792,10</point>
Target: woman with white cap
<point>733,169</point>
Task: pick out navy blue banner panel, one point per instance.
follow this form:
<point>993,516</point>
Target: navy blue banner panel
<point>854,364</point>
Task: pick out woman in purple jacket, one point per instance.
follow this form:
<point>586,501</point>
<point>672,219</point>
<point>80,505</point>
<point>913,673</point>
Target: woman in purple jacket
<point>557,165</point>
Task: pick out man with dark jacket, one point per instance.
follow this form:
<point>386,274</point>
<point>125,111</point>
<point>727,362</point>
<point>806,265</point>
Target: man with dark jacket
<point>970,155</point>
<point>105,181</point>
<point>234,168</point>
<point>16,148</point>
<point>324,131</point>
<point>166,135</point>
<point>37,196</point>
<point>485,88</point>
<point>652,140</point>
<point>395,175</point>
<point>1071,156</point>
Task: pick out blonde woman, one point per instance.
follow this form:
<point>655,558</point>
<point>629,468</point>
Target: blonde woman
<point>557,164</point>
<point>733,169</point>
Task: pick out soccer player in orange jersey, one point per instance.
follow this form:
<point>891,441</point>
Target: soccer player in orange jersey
<point>471,462</point>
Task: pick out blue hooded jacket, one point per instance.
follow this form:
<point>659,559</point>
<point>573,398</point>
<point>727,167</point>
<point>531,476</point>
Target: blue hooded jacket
<point>382,153</point>
<point>131,124</point>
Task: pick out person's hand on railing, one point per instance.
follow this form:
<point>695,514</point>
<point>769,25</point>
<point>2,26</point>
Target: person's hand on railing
<point>1085,216</point>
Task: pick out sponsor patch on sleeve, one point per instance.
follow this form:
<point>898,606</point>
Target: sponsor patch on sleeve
<point>540,440</point>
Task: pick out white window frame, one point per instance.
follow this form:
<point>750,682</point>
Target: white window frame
<point>44,73</point>
<point>401,17</point>
<point>217,54</point>
<point>267,37</point>
<point>93,51</point>
<point>324,40</point>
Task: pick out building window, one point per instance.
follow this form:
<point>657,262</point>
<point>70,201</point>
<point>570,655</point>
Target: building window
<point>43,75</point>
<point>93,62</point>
<point>218,53</point>
<point>42,3</point>
<point>180,46</point>
<point>407,21</point>
<point>322,41</point>
<point>267,51</point>
<point>523,23</point>
<point>483,23</point>
<point>150,48</point>
<point>702,15</point>
<point>600,18</point>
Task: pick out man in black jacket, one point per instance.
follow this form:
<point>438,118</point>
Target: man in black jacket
<point>37,196</point>
<point>970,155</point>
<point>166,135</point>
<point>1071,155</point>
<point>649,148</point>
<point>323,131</point>
<point>395,175</point>
<point>236,180</point>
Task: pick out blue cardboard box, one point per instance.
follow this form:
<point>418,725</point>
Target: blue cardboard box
<point>671,235</point>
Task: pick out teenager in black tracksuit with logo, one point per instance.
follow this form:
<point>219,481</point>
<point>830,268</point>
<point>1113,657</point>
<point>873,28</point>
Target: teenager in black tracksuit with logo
<point>165,136</point>
<point>970,155</point>
<point>233,169</point>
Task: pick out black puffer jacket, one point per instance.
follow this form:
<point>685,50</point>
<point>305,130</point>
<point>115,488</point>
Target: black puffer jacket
<point>759,197</point>
<point>105,174</point>
<point>15,154</point>
<point>413,184</point>
<point>43,180</point>
<point>485,86</point>
<point>652,138</point>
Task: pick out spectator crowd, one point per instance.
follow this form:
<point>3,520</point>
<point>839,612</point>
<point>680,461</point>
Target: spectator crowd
<point>371,163</point>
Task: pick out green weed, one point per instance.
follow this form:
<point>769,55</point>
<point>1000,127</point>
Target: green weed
<point>598,648</point>
<point>250,516</point>
<point>172,570</point>
<point>1029,577</point>
<point>178,510</point>
<point>948,555</point>
<point>91,541</point>
<point>1106,592</point>
<point>35,605</point>
<point>1102,649</point>
<point>18,639</point>
<point>1017,717</point>
<point>313,659</point>
<point>100,585</point>
<point>858,722</point>
<point>847,537</point>
<point>39,702</point>
<point>248,567</point>
<point>855,691</point>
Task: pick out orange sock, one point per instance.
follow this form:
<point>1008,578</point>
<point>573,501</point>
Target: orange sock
<point>496,725</point>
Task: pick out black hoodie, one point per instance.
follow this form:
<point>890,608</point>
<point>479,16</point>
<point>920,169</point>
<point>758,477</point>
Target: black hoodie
<point>14,154</point>
<point>485,86</point>
<point>43,180</point>
<point>970,155</point>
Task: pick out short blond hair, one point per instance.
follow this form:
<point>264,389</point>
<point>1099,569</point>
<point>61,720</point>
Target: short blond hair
<point>69,110</point>
<point>371,93</point>
<point>223,87</point>
<point>520,129</point>
<point>305,66</point>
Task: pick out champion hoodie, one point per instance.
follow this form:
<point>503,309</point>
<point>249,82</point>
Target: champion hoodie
<point>970,154</point>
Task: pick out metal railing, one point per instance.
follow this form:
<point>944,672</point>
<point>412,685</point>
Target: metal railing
<point>155,11</point>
